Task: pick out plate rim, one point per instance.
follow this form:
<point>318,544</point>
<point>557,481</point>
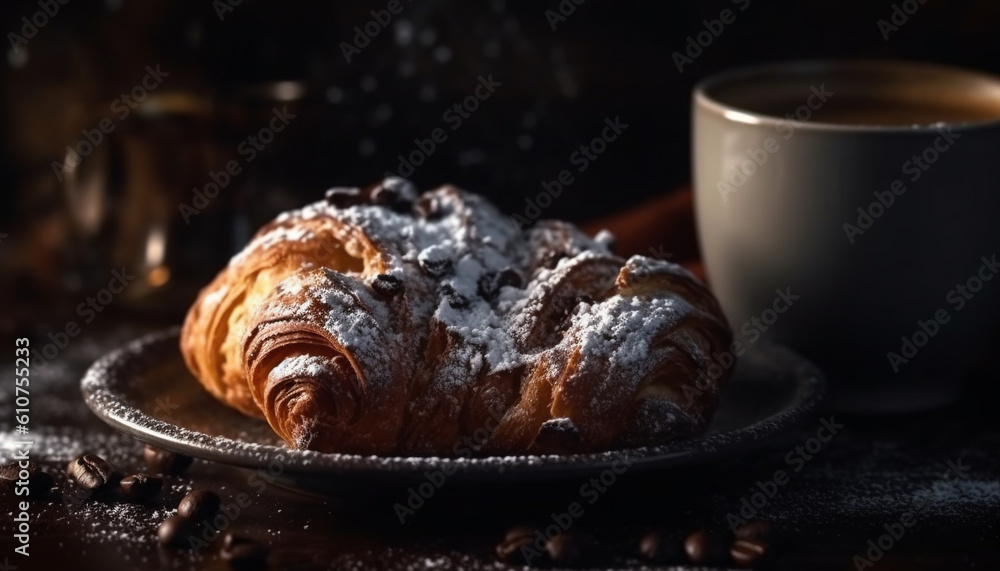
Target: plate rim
<point>97,392</point>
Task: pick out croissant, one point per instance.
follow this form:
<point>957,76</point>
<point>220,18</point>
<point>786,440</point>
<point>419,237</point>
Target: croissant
<point>380,321</point>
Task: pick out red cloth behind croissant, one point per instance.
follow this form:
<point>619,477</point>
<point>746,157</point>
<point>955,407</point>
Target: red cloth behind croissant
<point>662,227</point>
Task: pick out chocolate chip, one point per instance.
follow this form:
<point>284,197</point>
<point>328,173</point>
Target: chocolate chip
<point>558,436</point>
<point>517,547</point>
<point>344,197</point>
<point>760,530</point>
<point>486,286</point>
<point>705,548</point>
<point>383,196</point>
<point>662,547</point>
<point>436,267</point>
<point>387,285</point>
<point>199,505</point>
<point>33,477</point>
<point>490,283</point>
<point>454,299</point>
<point>429,208</point>
<point>176,531</point>
<point>140,487</point>
<point>747,552</point>
<point>91,472</point>
<point>509,277</point>
<point>160,461</point>
<point>244,553</point>
<point>572,549</point>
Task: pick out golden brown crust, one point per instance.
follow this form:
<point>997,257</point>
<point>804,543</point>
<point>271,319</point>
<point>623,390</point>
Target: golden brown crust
<point>380,323</point>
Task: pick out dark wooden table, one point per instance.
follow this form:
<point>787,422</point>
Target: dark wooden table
<point>941,467</point>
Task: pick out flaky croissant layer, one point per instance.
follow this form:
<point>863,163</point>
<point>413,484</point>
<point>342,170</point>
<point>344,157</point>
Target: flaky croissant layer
<point>380,321</point>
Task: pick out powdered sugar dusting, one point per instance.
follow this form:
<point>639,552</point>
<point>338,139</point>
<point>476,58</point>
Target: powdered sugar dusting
<point>498,299</point>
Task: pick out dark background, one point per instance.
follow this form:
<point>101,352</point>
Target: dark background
<point>607,59</point>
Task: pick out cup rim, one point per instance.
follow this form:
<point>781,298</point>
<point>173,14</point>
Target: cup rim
<point>700,97</point>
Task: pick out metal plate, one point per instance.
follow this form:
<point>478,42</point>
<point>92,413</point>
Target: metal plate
<point>144,389</point>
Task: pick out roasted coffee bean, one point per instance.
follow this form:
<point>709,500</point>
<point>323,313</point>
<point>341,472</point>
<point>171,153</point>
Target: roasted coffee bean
<point>747,552</point>
<point>662,547</point>
<point>572,549</point>
<point>344,197</point>
<point>8,473</point>
<point>37,481</point>
<point>387,285</point>
<point>91,472</point>
<point>567,310</point>
<point>760,530</point>
<point>199,505</point>
<point>707,548</point>
<point>558,436</point>
<point>140,487</point>
<point>243,552</point>
<point>517,547</point>
<point>176,531</point>
<point>160,461</point>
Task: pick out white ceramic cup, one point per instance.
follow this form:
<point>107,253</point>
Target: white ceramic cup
<point>856,243</point>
